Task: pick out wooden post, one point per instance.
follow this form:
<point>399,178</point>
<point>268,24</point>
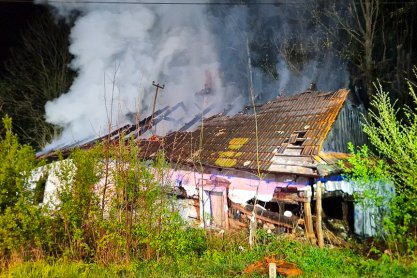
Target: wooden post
<point>272,270</point>
<point>309,222</point>
<point>201,203</point>
<point>252,228</point>
<point>226,209</point>
<point>319,209</point>
<point>281,207</point>
<point>345,213</point>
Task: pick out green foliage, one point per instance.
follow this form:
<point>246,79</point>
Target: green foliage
<point>109,207</point>
<point>364,168</point>
<point>20,219</point>
<point>20,226</point>
<point>77,201</point>
<point>113,208</point>
<point>16,163</point>
<point>264,237</point>
<point>227,260</point>
<point>395,141</point>
<point>44,269</point>
<point>370,177</point>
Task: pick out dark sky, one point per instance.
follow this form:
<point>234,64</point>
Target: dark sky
<point>14,17</point>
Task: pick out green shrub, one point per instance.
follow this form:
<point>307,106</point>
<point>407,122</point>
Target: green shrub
<point>395,142</point>
<point>21,220</point>
<point>16,164</point>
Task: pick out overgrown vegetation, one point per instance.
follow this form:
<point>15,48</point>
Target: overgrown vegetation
<point>395,143</point>
<point>112,216</point>
<point>109,207</point>
<point>223,258</point>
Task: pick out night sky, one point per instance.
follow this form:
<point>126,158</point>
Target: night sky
<point>14,18</point>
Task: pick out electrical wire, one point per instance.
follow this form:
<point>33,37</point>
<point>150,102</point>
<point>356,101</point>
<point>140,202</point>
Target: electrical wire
<point>230,3</point>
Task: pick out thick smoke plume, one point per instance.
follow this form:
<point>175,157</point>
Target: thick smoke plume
<point>119,49</point>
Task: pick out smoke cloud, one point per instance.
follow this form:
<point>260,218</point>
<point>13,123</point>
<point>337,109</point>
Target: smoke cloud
<point>119,49</point>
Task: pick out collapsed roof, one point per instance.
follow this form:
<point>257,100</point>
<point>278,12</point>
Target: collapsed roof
<point>283,136</point>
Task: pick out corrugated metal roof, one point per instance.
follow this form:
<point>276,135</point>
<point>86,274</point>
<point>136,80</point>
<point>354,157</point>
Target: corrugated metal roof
<point>291,126</point>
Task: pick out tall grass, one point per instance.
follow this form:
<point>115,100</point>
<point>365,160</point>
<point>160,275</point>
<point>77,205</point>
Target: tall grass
<point>226,256</point>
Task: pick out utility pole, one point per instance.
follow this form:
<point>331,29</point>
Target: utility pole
<point>154,101</point>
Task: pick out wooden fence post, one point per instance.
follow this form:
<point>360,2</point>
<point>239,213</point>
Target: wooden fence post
<point>272,270</point>
<point>319,209</point>
<point>308,219</point>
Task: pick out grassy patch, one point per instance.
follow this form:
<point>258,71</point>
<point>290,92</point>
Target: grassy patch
<point>225,258</point>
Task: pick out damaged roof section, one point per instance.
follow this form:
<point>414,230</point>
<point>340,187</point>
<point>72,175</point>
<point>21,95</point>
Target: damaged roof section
<point>288,133</point>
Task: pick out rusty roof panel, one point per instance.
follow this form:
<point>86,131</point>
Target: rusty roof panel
<point>230,141</point>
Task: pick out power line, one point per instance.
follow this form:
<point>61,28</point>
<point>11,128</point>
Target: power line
<point>129,2</point>
<point>155,3</point>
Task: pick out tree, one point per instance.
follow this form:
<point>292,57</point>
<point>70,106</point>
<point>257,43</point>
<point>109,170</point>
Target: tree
<point>375,38</point>
<point>358,22</point>
<point>36,73</point>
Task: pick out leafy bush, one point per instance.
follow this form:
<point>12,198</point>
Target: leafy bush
<point>108,207</point>
<point>16,164</point>
<point>373,185</point>
<point>395,142</point>
<point>21,220</point>
<point>115,208</point>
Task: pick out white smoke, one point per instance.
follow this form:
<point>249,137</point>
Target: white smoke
<point>328,76</point>
<point>119,50</point>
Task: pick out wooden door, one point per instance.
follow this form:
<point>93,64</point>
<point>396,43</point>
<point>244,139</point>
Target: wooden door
<point>217,208</point>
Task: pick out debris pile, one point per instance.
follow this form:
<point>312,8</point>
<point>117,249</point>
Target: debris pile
<point>283,268</point>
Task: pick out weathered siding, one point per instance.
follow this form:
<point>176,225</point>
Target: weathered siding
<point>346,128</point>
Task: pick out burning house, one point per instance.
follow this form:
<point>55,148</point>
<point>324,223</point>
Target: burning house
<point>267,158</point>
<point>272,155</point>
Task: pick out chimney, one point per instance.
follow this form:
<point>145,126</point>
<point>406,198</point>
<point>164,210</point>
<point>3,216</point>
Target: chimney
<point>312,87</point>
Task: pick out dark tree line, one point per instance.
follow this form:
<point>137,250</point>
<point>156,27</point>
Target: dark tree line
<point>376,38</point>
<point>36,71</point>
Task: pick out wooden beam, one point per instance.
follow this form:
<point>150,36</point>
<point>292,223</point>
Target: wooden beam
<point>289,197</point>
<point>345,213</point>
<point>319,209</point>
<point>308,219</point>
<point>306,161</point>
<point>264,215</point>
<point>293,170</point>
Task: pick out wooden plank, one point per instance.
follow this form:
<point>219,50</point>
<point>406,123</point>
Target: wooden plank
<point>293,161</point>
<point>292,151</point>
<point>293,138</point>
<point>292,169</point>
<point>248,211</point>
<point>289,197</point>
